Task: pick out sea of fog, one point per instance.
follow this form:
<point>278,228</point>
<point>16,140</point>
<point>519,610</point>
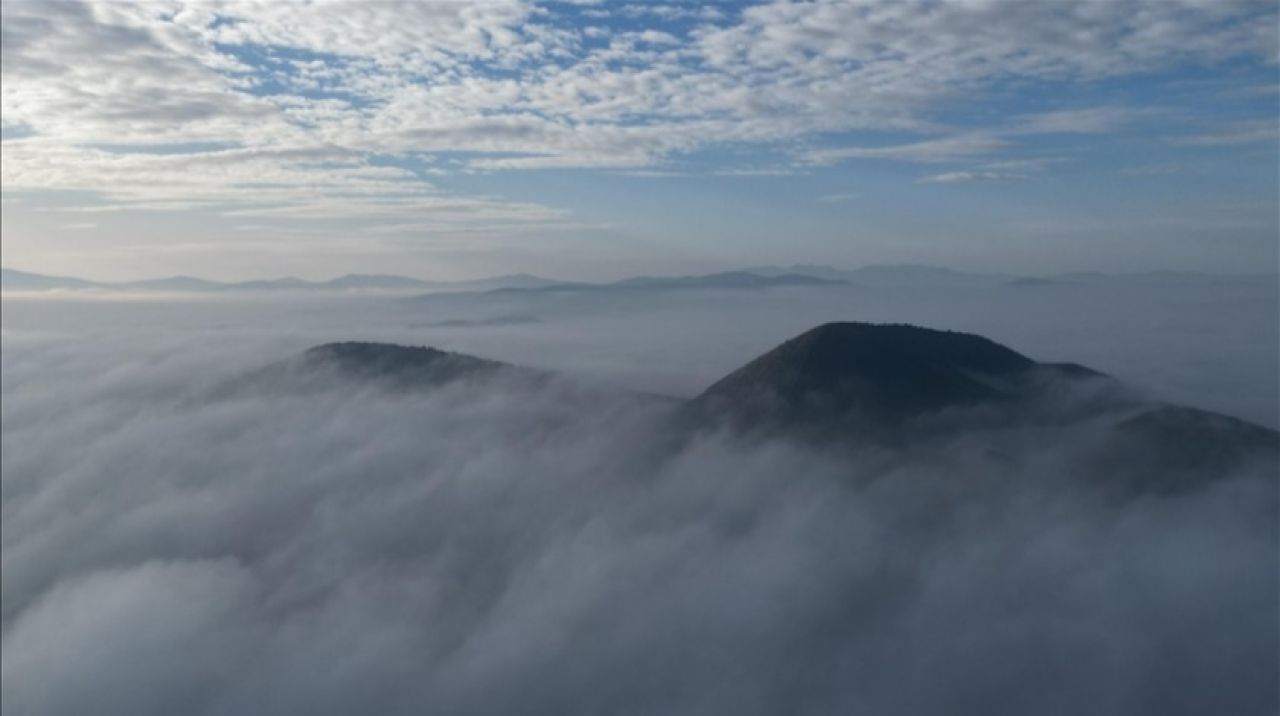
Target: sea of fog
<point>171,547</point>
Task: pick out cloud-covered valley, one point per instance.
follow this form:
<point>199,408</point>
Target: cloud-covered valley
<point>548,546</point>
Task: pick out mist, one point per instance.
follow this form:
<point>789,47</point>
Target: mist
<point>1211,342</point>
<point>499,546</point>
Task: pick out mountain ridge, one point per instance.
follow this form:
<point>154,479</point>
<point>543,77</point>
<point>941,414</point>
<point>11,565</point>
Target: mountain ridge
<point>14,279</point>
<point>886,275</point>
<point>889,386</point>
<point>878,375</point>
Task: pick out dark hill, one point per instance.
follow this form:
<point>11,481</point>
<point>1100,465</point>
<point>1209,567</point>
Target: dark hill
<point>405,364</point>
<point>891,386</point>
<point>876,374</point>
<point>380,364</point>
<point>1168,448</point>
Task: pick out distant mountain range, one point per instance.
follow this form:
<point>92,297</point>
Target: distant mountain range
<point>758,277</point>
<point>933,276</point>
<point>896,275</point>
<point>860,385</point>
<point>14,280</point>
<point>739,280</point>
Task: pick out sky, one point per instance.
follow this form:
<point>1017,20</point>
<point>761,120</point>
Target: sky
<point>454,140</point>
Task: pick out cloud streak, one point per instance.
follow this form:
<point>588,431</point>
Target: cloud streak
<point>966,177</point>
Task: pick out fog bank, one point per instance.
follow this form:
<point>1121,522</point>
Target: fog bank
<point>498,547</point>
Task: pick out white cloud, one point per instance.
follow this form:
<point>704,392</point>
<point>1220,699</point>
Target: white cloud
<point>1093,120</point>
<point>946,149</point>
<point>507,89</point>
<point>652,173</point>
<point>971,176</point>
<point>758,172</point>
<point>657,37</point>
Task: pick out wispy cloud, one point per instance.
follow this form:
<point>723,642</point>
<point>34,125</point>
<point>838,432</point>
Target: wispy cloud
<point>758,172</point>
<point>1239,133</point>
<point>1093,120</point>
<point>651,173</point>
<point>964,177</point>
<point>945,149</point>
<point>836,198</point>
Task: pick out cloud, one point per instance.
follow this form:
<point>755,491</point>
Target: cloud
<point>160,81</point>
<point>560,162</point>
<point>657,37</point>
<point>1093,120</point>
<point>757,172</point>
<point>945,149</point>
<point>673,12</point>
<point>653,173</point>
<point>1240,133</point>
<point>547,548</point>
<point>514,86</point>
<point>964,177</point>
<point>836,198</point>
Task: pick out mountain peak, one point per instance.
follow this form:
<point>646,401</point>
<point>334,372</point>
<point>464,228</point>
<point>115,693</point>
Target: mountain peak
<point>395,362</point>
<point>874,373</point>
<point>875,344</point>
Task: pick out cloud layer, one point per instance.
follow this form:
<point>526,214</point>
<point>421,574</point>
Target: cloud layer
<point>498,547</point>
<point>348,109</point>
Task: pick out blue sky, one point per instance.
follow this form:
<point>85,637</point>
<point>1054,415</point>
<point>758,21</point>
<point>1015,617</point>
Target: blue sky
<point>451,140</point>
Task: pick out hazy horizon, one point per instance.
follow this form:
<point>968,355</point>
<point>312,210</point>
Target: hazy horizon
<point>801,268</point>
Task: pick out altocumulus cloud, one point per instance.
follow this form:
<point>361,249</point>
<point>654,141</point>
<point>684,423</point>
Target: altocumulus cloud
<point>268,107</point>
<point>504,546</point>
